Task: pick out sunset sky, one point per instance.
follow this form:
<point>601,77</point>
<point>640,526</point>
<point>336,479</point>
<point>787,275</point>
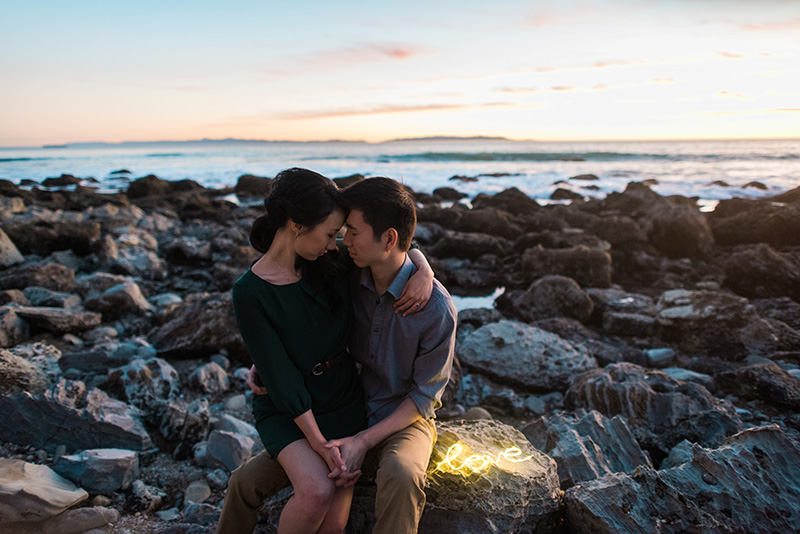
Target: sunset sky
<point>153,70</point>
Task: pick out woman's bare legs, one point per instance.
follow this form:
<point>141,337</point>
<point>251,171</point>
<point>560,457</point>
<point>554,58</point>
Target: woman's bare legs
<point>338,513</point>
<point>314,492</point>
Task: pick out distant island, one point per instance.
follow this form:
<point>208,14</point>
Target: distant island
<point>232,141</point>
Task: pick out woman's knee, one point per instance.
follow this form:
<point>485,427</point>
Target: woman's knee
<point>316,497</point>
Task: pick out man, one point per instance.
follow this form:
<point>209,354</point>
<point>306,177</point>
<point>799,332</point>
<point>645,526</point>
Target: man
<point>405,366</point>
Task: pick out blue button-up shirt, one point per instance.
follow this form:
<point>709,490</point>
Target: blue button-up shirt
<point>401,357</point>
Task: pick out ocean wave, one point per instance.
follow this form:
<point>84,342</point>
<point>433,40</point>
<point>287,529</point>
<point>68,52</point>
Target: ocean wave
<point>169,155</point>
<point>8,160</point>
<point>523,156</point>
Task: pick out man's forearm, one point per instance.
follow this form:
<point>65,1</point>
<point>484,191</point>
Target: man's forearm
<point>404,415</point>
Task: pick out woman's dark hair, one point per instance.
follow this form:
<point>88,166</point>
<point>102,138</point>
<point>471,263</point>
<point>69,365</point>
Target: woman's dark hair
<point>307,198</point>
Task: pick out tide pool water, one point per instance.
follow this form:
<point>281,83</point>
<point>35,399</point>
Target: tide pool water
<point>709,170</point>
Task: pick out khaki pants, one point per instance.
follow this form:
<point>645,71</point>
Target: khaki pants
<point>402,462</point>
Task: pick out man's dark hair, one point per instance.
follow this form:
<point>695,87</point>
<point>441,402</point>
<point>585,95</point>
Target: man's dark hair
<point>384,203</point>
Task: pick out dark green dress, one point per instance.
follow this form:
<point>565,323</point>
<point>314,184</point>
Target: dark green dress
<point>288,329</point>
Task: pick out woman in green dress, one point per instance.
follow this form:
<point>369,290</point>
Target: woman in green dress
<point>294,311</point>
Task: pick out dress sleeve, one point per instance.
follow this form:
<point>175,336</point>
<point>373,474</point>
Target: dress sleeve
<point>281,377</point>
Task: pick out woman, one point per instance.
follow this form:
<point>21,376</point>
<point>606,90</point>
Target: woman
<point>293,309</point>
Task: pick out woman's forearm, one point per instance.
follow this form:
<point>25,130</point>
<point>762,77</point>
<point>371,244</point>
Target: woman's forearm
<point>308,425</point>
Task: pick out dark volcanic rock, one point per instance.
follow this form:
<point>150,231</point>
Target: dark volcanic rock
<point>511,200</point>
<point>750,484</point>
<point>660,410</point>
<point>553,295</point>
<point>742,222</point>
<point>148,186</point>
<point>203,325</point>
<point>469,245</point>
<point>18,374</point>
<point>448,194</point>
<point>588,267</point>
<point>757,271</point>
<point>523,356</point>
<point>249,185</point>
<point>587,447</point>
<point>678,231</point>
<point>70,414</point>
<point>50,275</point>
<point>9,253</point>
<point>766,382</point>
<point>59,320</point>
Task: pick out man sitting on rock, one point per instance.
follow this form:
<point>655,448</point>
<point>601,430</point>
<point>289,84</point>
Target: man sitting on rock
<point>405,366</point>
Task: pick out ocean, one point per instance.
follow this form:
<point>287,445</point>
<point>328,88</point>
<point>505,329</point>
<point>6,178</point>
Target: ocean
<point>709,170</point>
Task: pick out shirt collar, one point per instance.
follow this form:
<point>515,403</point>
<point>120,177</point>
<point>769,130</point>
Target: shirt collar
<point>399,282</point>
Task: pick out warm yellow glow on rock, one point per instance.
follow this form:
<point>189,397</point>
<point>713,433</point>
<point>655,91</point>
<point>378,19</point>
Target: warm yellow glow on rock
<point>476,463</point>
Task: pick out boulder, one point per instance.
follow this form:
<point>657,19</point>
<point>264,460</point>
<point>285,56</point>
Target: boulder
<point>203,325</point>
<point>89,520</point>
<point>148,186</point>
<point>142,382</point>
<point>469,245</point>
<point>196,492</point>
<point>41,296</point>
<point>629,324</point>
<point>18,374</point>
<point>100,471</point>
<point>42,356</point>
<point>138,261</point>
<point>50,275</point>
<point>587,447</point>
<point>210,379</point>
<point>605,349</point>
<point>587,266</point>
<point>484,476</point>
<point>94,284</point>
<point>619,230</point>
<point>489,221</point>
<point>553,295</point>
<point>766,382</point>
<point>782,309</point>
<point>660,410</point>
<point>182,424</point>
<point>524,356</point>
<point>678,231</point>
<point>249,185</point>
<point>188,250</point>
<point>749,484</point>
<point>511,200</point>
<point>448,194</point>
<point>30,492</point>
<point>228,423</point>
<point>743,222</point>
<point>228,449</point>
<point>143,498</point>
<point>70,414</point>
<point>757,271</point>
<point>59,320</point>
<point>120,300</point>
<point>44,237</point>
<point>9,254</point>
<point>107,354</point>
<point>13,328</point>
<point>714,323</point>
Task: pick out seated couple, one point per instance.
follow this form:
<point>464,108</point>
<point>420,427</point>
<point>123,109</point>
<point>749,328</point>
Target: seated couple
<point>354,346</point>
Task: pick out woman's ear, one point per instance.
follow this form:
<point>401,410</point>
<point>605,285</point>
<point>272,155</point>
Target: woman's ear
<point>390,237</point>
<point>295,227</point>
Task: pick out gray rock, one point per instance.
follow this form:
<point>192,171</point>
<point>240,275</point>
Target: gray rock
<point>749,484</point>
<point>524,356</point>
<point>228,449</point>
<point>196,492</point>
<point>766,382</point>
<point>68,413</point>
<point>587,447</point>
<point>120,300</point>
<point>9,254</point>
<point>15,296</point>
<point>13,329</point>
<point>618,300</point>
<point>173,514</point>
<point>41,296</point>
<point>59,320</point>
<point>229,423</point>
<point>218,478</point>
<point>504,490</point>
<point>50,275</point>
<point>143,381</point>
<point>108,354</point>
<point>18,374</point>
<point>201,514</point>
<point>183,424</point>
<point>210,379</point>
<point>553,295</point>
<point>144,498</point>
<point>94,284</point>
<point>138,261</point>
<point>679,454</point>
<point>30,492</point>
<point>165,301</point>
<point>81,520</point>
<point>41,355</point>
<point>660,410</point>
<point>589,267</point>
<point>475,413</point>
<point>201,326</point>
<point>660,357</point>
<point>714,323</point>
<point>628,324</point>
<point>100,471</point>
<point>687,375</point>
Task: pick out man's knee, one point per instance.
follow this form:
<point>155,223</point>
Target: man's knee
<point>398,470</point>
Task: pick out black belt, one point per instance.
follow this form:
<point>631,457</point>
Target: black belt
<point>330,364</point>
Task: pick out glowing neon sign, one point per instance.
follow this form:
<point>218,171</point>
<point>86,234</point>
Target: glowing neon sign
<point>476,463</point>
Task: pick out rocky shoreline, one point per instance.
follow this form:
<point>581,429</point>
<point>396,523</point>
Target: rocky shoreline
<point>644,355</point>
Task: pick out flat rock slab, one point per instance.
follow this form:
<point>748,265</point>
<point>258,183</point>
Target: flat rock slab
<point>71,414</point>
<point>59,320</point>
<point>30,492</point>
<point>484,476</point>
<point>524,356</point>
<point>750,484</point>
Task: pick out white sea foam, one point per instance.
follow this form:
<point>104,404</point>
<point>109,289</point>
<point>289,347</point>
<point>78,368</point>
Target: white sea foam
<point>689,168</point>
